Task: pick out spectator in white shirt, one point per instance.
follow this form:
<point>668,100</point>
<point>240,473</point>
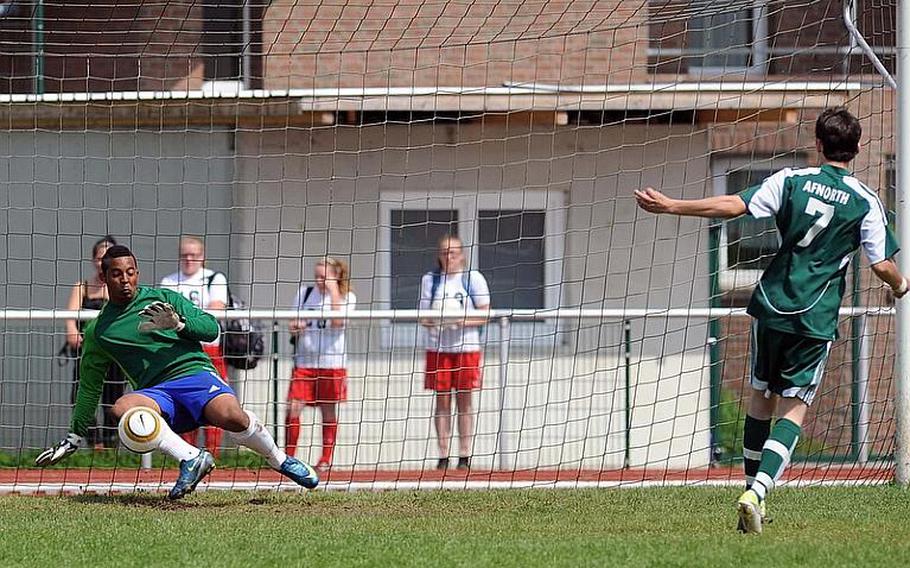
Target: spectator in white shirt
<point>208,290</point>
<point>453,358</point>
<point>320,366</point>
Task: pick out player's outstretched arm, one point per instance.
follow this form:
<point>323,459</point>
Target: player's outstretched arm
<point>92,369</point>
<point>888,272</point>
<point>64,448</point>
<point>718,207</point>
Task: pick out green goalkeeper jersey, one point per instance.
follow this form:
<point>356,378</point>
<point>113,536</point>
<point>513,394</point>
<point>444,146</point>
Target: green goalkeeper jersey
<point>823,215</point>
<point>147,359</point>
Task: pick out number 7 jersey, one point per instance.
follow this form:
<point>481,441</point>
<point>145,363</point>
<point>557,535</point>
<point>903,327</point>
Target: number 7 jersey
<point>823,215</point>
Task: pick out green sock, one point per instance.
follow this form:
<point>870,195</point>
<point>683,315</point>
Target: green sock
<point>775,455</point>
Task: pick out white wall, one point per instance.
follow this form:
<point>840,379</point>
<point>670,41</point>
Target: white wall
<point>60,192</point>
<point>277,200</point>
<point>306,193</point>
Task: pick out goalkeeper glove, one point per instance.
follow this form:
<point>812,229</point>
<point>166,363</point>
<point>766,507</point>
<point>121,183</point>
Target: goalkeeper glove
<point>66,446</point>
<point>160,316</point>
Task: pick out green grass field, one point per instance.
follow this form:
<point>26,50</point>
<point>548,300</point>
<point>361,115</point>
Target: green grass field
<point>648,527</point>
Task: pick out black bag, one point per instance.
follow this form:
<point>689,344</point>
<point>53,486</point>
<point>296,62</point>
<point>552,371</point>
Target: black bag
<point>306,296</point>
<point>66,354</point>
<point>242,340</point>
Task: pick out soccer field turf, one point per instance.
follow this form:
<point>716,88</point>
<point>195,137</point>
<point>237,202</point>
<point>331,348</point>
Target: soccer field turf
<point>630,527</point>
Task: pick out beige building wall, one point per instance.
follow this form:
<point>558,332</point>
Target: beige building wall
<point>310,192</point>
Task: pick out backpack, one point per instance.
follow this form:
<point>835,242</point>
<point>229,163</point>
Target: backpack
<point>242,340</point>
<point>465,283</point>
<point>306,296</point>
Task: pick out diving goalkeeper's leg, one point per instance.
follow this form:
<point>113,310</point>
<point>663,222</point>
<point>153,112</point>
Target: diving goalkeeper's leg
<point>143,429</point>
<point>245,428</point>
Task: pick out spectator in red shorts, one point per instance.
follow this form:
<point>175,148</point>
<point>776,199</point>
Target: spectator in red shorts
<point>208,290</point>
<point>320,367</point>
<point>453,359</point>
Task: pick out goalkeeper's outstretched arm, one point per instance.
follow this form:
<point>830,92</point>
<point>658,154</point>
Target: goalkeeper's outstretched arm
<point>718,207</point>
<point>92,370</point>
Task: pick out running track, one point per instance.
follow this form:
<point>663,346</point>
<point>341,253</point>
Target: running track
<point>106,481</point>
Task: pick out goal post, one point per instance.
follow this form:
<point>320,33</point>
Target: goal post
<point>902,406</point>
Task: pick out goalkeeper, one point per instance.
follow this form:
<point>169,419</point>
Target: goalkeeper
<point>823,215</point>
<point>154,336</point>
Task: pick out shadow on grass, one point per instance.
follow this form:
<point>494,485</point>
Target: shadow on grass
<point>198,501</point>
<point>158,501</point>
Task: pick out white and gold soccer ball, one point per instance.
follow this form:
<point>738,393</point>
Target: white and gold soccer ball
<point>139,429</point>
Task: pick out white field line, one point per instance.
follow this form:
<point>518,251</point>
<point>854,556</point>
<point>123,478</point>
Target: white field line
<point>120,488</point>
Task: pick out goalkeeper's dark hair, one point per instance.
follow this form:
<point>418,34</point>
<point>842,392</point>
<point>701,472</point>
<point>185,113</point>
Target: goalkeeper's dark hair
<point>116,251</point>
<point>839,133</point>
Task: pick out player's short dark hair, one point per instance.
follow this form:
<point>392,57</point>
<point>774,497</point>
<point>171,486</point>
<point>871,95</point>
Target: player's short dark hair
<point>839,132</point>
<point>116,251</point>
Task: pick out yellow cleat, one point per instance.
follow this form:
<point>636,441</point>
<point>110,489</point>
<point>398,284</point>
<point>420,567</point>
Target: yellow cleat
<point>751,511</point>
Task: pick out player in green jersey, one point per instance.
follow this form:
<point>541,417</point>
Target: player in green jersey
<point>823,214</point>
<point>154,336</point>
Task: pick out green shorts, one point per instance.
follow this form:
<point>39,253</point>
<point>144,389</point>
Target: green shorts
<point>787,365</point>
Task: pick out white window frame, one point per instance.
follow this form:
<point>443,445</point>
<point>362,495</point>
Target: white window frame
<point>737,278</point>
<point>468,205</point>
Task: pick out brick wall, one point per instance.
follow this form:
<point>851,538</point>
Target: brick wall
<point>804,36</point>
<point>105,45</point>
<point>484,43</point>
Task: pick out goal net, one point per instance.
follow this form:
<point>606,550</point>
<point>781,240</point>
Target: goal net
<point>617,348</point>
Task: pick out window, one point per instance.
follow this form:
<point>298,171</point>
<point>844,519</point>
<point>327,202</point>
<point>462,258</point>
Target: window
<point>512,256</point>
<point>222,39</point>
<point>707,38</point>
<point>413,239</point>
<point>746,245</point>
<point>723,38</point>
<point>515,239</point>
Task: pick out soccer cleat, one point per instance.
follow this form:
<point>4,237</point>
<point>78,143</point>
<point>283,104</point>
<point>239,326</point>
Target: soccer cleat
<point>765,519</point>
<point>442,464</point>
<point>750,509</point>
<point>299,472</point>
<point>191,473</point>
<point>464,463</point>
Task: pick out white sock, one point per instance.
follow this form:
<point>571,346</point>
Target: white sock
<point>762,485</point>
<point>258,439</point>
<point>175,446</point>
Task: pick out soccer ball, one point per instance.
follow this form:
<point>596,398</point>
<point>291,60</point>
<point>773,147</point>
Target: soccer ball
<point>139,429</point>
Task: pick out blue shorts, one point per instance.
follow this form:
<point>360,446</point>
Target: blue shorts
<point>182,401</point>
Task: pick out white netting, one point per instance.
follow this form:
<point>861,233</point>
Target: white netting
<point>286,131</point>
